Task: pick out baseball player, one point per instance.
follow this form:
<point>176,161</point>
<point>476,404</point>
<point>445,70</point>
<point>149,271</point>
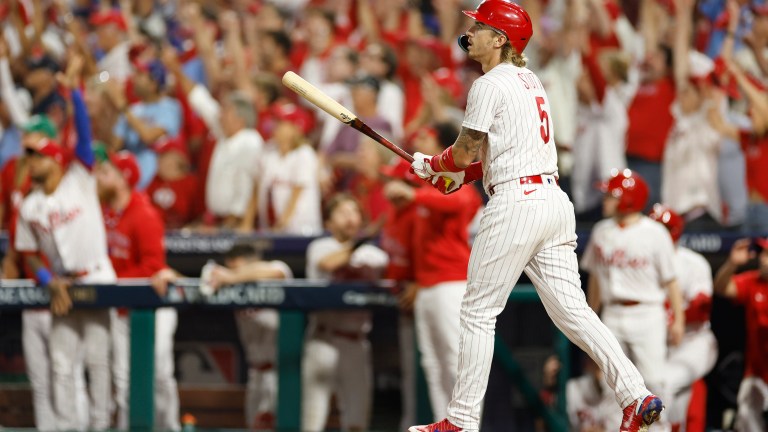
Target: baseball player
<point>528,224</point>
<point>630,259</point>
<point>135,244</point>
<point>750,289</point>
<point>258,331</point>
<point>696,354</point>
<point>440,262</point>
<point>61,220</point>
<point>337,354</point>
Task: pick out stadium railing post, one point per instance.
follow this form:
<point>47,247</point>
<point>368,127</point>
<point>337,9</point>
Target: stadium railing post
<point>142,400</point>
<point>290,347</point>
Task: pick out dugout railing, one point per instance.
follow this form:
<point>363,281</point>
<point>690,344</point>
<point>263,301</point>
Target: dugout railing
<point>294,299</point>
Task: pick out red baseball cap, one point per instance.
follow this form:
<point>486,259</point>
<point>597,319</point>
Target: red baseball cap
<point>447,79</point>
<point>292,113</point>
<point>126,163</point>
<point>762,242</point>
<point>109,16</point>
<point>48,147</point>
<point>166,144</point>
<point>760,10</point>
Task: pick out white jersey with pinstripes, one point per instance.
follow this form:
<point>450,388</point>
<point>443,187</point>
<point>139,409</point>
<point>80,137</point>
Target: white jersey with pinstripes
<point>509,104</point>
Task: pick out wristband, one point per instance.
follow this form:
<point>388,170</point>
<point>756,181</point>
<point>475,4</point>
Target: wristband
<point>43,276</point>
<point>444,162</point>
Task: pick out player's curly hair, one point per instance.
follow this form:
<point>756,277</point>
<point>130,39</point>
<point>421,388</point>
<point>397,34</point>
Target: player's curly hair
<point>509,55</point>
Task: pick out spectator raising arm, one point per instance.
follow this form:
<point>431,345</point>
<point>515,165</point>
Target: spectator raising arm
<point>19,115</point>
<point>83,149</point>
<point>200,99</point>
<point>740,255</point>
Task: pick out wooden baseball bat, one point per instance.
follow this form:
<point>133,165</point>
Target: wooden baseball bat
<point>327,104</point>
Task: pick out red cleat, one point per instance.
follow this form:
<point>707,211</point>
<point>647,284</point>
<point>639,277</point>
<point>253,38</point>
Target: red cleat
<point>640,415</point>
<point>441,426</point>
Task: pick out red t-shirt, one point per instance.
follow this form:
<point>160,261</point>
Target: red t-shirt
<point>179,201</point>
<point>442,227</point>
<point>370,194</point>
<point>650,120</point>
<point>752,292</point>
<point>397,241</point>
<point>756,155</point>
<point>135,238</point>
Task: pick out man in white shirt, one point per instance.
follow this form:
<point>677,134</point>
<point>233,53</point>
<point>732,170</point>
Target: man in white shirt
<point>236,160</point>
<point>112,41</point>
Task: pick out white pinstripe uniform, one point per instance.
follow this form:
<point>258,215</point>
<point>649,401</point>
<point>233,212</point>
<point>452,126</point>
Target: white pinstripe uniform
<point>697,353</point>
<point>527,227</point>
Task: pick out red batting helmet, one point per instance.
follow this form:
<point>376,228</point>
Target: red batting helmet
<point>673,221</point>
<point>507,17</point>
<point>629,188</point>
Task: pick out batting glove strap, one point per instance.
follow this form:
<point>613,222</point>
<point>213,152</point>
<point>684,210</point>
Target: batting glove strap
<point>448,182</point>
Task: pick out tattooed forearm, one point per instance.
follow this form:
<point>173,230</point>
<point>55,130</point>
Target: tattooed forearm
<point>467,146</point>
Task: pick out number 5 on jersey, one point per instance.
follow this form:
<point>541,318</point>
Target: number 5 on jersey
<point>544,116</point>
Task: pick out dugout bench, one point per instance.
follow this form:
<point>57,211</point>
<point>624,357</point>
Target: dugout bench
<point>293,299</point>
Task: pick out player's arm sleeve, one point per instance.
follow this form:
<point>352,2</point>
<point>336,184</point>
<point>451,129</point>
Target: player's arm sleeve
<point>483,102</point>
<point>283,268</point>
<point>150,238</point>
<point>25,239</point>
<point>207,108</point>
<point>665,259</point>
<point>434,200</point>
<point>587,262</point>
<point>316,251</point>
<point>83,149</point>
<point>19,116</point>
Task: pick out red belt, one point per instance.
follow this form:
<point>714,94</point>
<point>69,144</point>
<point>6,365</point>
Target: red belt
<point>262,367</point>
<point>626,302</point>
<point>535,179</point>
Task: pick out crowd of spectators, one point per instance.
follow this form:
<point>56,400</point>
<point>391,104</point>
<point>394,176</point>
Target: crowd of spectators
<point>672,89</point>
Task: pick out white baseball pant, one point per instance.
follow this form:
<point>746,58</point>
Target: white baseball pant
<point>339,365</point>
<point>406,337</point>
<point>535,233</point>
<point>437,311</point>
<point>753,403</point>
<point>166,393</point>
<point>36,327</point>
<point>79,330</point>
<point>686,363</point>
<point>258,336</point>
<point>35,336</point>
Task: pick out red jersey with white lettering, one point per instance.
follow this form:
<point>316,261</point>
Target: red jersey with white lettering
<point>510,104</point>
<point>632,263</point>
<point>178,201</point>
<point>67,227</point>
<point>135,238</point>
<point>650,119</point>
<point>396,240</point>
<point>441,252</point>
<point>752,292</point>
